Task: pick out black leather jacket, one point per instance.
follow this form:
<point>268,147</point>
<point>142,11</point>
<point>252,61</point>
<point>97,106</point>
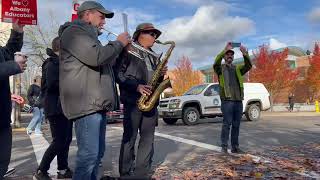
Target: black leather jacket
<point>130,72</point>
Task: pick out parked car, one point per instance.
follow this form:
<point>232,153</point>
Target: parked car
<point>114,116</point>
<point>204,101</point>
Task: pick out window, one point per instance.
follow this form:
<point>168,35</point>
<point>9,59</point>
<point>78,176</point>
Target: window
<point>196,90</point>
<point>213,90</point>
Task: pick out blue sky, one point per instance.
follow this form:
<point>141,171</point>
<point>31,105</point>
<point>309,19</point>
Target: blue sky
<point>201,28</point>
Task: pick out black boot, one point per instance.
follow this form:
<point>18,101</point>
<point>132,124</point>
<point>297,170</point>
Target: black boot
<point>39,175</point>
<point>237,150</point>
<point>66,175</point>
<point>224,149</point>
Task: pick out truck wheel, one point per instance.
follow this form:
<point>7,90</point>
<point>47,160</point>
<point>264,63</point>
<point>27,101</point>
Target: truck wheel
<point>170,121</point>
<point>190,116</point>
<point>253,112</point>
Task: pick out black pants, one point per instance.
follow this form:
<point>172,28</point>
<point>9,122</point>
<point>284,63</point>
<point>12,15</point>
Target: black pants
<point>145,122</point>
<point>61,130</point>
<point>5,150</point>
<point>291,106</point>
<point>232,113</point>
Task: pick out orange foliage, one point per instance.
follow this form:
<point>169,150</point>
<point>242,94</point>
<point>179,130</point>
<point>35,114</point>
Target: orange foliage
<point>183,77</point>
<point>313,76</point>
<point>272,69</point>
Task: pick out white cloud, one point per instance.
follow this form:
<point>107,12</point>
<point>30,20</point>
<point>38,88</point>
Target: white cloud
<point>203,35</point>
<point>275,44</point>
<point>314,15</point>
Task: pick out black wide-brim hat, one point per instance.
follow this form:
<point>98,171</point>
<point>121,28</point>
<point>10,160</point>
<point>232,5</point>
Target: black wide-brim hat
<point>145,27</point>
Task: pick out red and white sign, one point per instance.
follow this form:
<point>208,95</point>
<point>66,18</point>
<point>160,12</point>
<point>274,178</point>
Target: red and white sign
<point>75,5</point>
<point>24,10</point>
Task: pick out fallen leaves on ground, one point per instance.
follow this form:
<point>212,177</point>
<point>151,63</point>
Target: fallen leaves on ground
<point>294,162</point>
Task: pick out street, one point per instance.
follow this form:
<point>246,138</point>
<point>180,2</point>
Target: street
<point>278,140</point>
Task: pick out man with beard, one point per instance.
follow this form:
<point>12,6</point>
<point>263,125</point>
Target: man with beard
<point>231,94</point>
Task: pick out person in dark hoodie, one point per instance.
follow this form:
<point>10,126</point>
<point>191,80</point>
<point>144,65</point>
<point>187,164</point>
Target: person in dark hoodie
<point>60,126</point>
<point>87,85</point>
<point>8,67</point>
<point>34,98</point>
<point>133,75</point>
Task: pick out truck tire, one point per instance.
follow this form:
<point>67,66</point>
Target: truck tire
<point>253,112</point>
<point>170,121</point>
<point>190,116</point>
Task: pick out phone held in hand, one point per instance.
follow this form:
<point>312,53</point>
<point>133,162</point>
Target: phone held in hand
<point>235,44</point>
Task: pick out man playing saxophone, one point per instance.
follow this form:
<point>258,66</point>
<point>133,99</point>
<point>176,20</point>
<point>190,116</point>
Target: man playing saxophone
<point>133,75</point>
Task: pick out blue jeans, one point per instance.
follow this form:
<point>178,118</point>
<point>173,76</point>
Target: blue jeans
<point>36,120</point>
<point>90,132</point>
<point>232,113</point>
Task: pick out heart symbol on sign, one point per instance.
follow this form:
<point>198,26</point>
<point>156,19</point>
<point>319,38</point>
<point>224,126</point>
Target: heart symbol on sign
<point>25,2</point>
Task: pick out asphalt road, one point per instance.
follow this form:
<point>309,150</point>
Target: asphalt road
<point>176,144</point>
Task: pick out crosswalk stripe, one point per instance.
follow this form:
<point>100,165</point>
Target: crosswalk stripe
<point>40,145</point>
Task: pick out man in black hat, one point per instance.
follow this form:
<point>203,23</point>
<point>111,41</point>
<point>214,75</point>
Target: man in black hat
<point>86,83</point>
<point>133,75</point>
<point>231,94</point>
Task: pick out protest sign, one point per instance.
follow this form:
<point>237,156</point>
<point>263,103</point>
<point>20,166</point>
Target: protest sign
<point>23,10</point>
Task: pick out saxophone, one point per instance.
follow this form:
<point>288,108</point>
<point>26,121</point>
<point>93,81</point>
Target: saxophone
<point>145,102</point>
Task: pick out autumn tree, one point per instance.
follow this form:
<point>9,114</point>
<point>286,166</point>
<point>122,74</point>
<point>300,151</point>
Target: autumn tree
<point>4,33</point>
<point>313,74</point>
<point>183,77</point>
<point>272,69</point>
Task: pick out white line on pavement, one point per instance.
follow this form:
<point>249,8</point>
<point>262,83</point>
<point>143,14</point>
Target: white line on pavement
<point>40,145</point>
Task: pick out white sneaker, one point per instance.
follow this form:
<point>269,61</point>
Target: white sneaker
<point>29,132</point>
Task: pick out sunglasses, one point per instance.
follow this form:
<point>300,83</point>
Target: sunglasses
<point>151,33</point>
<point>25,56</point>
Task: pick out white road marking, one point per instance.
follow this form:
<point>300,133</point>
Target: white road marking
<point>40,145</point>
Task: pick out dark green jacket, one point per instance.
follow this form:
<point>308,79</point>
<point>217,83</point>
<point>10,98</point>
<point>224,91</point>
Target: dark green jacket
<point>240,71</point>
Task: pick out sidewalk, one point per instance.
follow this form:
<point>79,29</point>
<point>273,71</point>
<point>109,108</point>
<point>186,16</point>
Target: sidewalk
<point>295,114</point>
<point>25,119</point>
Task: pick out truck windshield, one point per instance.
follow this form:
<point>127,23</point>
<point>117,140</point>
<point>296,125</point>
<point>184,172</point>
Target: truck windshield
<point>196,90</point>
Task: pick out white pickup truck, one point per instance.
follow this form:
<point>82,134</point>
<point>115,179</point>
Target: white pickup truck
<point>204,101</point>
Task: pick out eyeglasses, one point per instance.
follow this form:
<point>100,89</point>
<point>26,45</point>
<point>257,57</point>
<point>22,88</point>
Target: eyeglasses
<point>151,33</point>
